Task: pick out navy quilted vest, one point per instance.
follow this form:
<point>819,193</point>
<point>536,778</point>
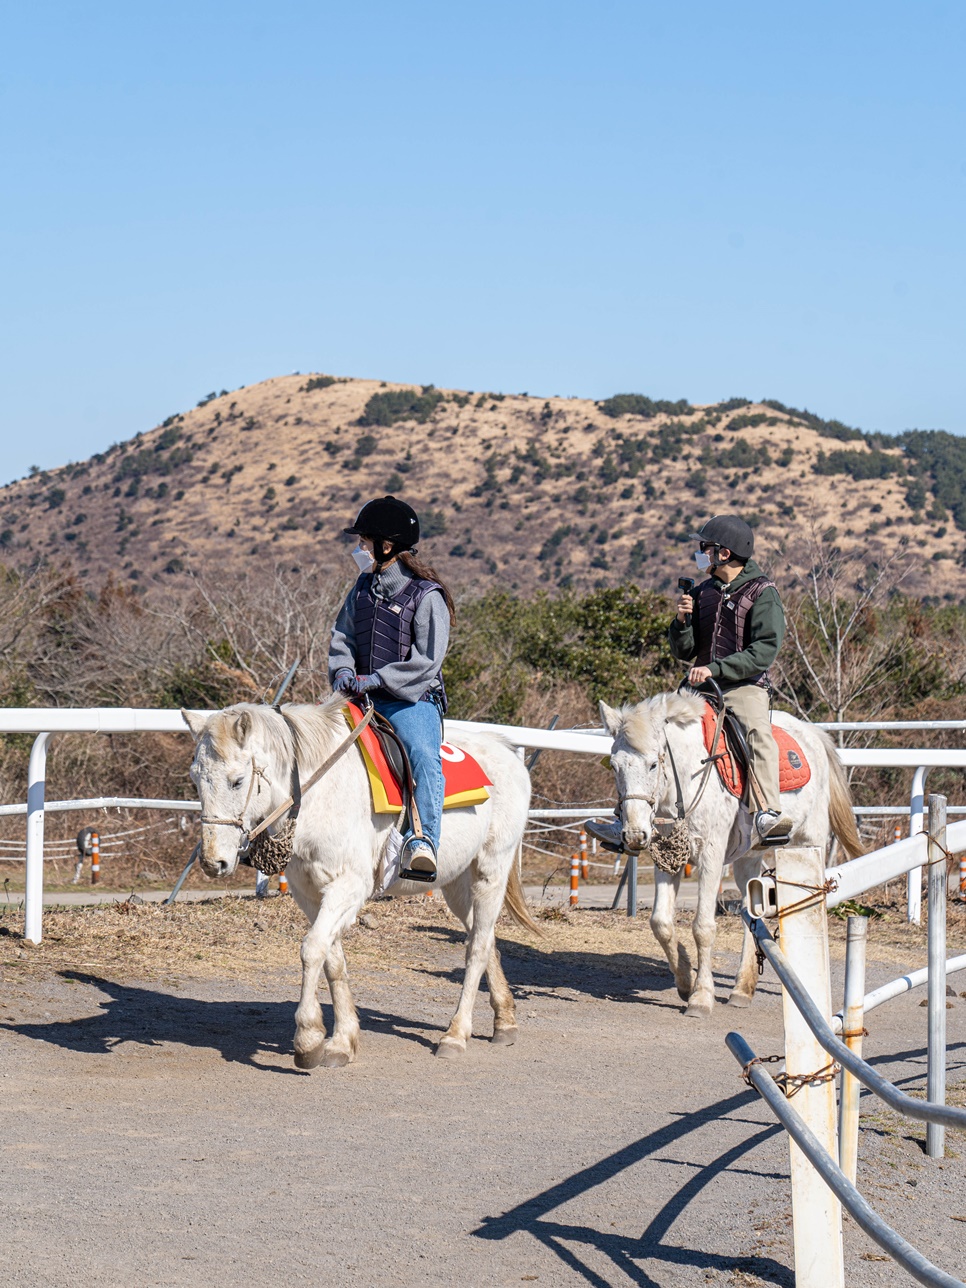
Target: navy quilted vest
<point>384,628</point>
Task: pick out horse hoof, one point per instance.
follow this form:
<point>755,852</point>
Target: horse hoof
<point>310,1059</point>
<point>740,1000</point>
<point>698,1011</point>
<point>504,1037</point>
<point>450,1049</point>
<point>335,1060</point>
<point>683,993</point>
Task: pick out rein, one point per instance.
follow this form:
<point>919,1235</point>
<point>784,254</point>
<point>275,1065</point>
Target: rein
<point>683,811</point>
<point>298,789</point>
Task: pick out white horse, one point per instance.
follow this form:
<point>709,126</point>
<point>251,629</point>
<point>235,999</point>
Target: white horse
<point>242,767</point>
<point>650,736</point>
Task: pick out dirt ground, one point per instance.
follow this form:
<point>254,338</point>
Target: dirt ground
<point>156,1132</point>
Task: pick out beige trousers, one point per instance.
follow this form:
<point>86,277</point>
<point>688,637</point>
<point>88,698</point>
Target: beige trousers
<point>749,702</point>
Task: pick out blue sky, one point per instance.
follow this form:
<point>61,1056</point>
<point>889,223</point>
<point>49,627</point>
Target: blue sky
<point>691,201</point>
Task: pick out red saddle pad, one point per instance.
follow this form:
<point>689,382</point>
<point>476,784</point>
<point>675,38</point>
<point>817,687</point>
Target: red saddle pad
<point>464,781</point>
<point>794,770</point>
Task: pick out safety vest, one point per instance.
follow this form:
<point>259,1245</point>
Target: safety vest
<point>722,621</point>
<point>384,628</point>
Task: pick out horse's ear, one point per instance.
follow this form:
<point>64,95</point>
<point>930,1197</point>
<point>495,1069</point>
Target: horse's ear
<point>242,727</point>
<point>610,718</point>
<point>195,721</point>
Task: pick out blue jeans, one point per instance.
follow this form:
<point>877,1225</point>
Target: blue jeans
<point>418,727</point>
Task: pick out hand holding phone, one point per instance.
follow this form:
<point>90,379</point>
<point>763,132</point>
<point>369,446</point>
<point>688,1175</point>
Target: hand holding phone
<point>685,604</point>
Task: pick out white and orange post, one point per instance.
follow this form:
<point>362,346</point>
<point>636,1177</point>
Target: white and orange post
<point>574,878</point>
<point>584,869</point>
<point>95,858</point>
<point>282,883</point>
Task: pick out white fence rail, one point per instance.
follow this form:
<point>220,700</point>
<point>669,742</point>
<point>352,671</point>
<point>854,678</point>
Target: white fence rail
<point>46,721</point>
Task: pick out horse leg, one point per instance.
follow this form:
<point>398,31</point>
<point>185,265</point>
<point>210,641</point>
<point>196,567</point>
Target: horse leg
<point>666,886</point>
<point>342,1046</point>
<point>458,896</point>
<point>341,901</point>
<point>701,1001</point>
<point>746,979</point>
<point>486,902</point>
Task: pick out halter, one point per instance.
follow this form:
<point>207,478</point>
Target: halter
<point>239,822</point>
<point>653,800</point>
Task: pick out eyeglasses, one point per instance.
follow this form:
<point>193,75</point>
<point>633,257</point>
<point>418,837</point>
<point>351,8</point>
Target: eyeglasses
<point>707,545</point>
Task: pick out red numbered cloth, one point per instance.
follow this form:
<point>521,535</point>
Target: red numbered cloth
<point>793,769</point>
<point>464,781</point>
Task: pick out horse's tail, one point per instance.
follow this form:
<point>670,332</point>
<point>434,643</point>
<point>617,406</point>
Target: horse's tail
<point>515,901</point>
<point>840,815</point>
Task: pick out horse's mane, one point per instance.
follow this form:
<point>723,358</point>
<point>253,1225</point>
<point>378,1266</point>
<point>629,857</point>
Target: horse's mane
<point>639,722</point>
<point>315,728</point>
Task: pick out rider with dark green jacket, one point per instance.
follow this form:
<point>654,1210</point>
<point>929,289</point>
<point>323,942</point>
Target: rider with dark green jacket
<point>730,628</point>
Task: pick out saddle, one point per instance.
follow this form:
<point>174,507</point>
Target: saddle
<point>732,756</point>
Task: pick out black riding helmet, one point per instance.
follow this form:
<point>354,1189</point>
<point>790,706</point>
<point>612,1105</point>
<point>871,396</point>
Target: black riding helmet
<point>729,531</point>
<point>387,519</point>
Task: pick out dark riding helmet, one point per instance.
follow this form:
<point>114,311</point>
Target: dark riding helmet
<point>387,519</point>
<point>729,531</point>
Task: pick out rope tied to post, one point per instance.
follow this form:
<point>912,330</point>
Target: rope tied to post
<point>816,892</point>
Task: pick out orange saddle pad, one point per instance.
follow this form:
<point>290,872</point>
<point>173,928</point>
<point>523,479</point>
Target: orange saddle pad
<point>793,769</point>
<point>464,782</point>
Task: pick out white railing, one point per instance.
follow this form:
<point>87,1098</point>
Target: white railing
<point>824,1152</point>
<point>46,721</point>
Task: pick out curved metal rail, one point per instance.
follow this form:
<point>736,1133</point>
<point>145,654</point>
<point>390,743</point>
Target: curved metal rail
<point>866,1217</point>
<point>923,1110</point>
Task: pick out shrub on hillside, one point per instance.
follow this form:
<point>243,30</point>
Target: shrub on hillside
<point>641,405</point>
<point>858,465</point>
<point>400,404</point>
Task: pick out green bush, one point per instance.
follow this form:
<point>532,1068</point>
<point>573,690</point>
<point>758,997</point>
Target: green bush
<point>400,404</point>
<point>858,465</point>
<point>317,382</point>
<point>641,405</point>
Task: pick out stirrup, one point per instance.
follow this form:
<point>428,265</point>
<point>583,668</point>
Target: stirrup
<point>417,874</point>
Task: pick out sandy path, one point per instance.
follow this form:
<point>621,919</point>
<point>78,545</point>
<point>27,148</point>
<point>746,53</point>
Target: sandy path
<point>155,1131</point>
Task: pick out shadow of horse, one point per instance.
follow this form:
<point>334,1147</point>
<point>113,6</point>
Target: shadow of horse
<point>255,1033</point>
<point>631,976</point>
<point>574,1243</point>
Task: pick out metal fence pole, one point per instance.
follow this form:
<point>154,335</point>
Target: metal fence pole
<point>34,892</point>
<point>916,814</point>
<point>632,885</point>
<point>936,1063</point>
<point>852,1032</point>
<point>816,1213</point>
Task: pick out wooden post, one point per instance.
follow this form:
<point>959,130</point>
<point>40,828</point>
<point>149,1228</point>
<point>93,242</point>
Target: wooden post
<point>816,1213</point>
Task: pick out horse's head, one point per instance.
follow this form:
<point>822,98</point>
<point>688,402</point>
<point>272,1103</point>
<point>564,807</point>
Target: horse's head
<point>229,772</point>
<point>639,758</point>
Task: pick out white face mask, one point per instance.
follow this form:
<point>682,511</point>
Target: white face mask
<point>703,560</point>
<point>363,559</point>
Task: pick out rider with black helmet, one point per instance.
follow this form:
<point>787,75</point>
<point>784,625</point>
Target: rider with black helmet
<point>731,628</point>
<point>389,642</point>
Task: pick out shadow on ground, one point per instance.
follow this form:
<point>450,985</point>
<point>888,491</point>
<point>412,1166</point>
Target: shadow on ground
<point>256,1033</point>
<point>573,1243</point>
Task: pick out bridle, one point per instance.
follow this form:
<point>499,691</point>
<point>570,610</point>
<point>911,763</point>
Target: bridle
<point>708,763</point>
<point>291,805</point>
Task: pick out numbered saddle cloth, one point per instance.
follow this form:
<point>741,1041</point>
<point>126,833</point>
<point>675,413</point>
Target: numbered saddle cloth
<point>793,768</point>
<point>464,782</point>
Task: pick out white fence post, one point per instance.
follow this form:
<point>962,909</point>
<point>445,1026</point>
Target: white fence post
<point>852,1032</point>
<point>916,815</point>
<point>36,787</point>
<point>936,1058</point>
<point>816,1213</point>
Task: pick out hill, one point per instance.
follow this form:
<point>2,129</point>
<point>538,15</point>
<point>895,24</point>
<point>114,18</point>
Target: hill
<point>514,491</point>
